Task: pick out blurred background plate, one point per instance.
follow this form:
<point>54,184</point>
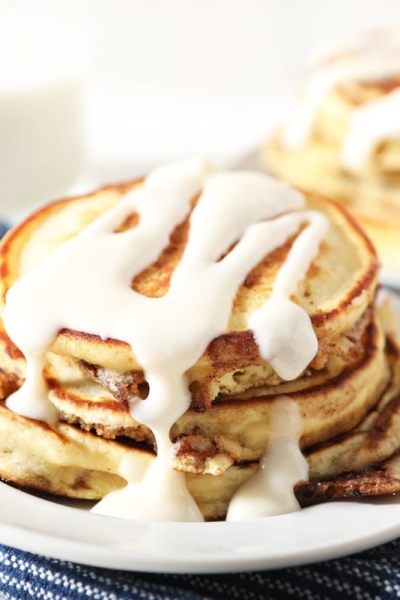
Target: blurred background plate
<point>149,82</point>
<point>163,80</point>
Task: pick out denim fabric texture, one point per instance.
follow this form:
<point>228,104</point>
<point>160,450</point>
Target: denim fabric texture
<point>370,575</point>
<point>3,228</point>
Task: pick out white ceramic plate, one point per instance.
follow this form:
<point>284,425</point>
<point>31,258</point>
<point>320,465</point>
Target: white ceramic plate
<point>310,535</point>
<point>391,277</point>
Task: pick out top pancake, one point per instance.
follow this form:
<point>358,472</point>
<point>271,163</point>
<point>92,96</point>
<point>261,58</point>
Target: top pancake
<point>339,285</point>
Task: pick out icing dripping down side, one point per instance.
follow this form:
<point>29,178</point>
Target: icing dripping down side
<point>270,491</point>
<point>248,212</point>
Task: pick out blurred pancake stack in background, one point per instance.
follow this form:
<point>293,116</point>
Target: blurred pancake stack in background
<point>343,135</point>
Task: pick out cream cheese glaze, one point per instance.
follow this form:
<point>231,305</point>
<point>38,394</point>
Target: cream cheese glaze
<point>373,56</point>
<point>248,212</point>
<point>371,124</point>
<point>270,491</point>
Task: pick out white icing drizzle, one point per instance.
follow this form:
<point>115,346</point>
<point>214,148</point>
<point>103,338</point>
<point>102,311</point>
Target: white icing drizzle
<point>371,124</point>
<point>84,285</point>
<point>270,491</point>
<point>374,56</point>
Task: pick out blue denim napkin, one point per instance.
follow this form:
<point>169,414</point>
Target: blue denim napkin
<point>370,575</point>
<point>3,228</point>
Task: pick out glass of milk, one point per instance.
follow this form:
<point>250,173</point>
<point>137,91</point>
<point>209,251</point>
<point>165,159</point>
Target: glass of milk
<point>41,111</point>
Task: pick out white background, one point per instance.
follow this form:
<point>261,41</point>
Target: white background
<point>179,77</point>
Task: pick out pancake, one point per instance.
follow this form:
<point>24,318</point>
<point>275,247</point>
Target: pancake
<point>343,139</point>
<point>343,276</point>
<point>99,431</point>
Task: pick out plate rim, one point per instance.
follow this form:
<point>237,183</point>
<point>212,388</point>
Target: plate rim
<point>390,277</point>
<point>157,551</point>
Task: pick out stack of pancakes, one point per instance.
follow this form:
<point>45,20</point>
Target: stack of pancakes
<point>349,148</point>
<point>348,396</point>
